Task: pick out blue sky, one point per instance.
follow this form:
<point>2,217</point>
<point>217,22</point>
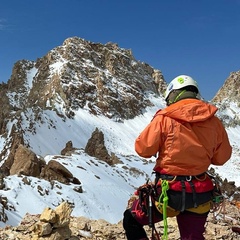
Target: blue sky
<point>198,38</point>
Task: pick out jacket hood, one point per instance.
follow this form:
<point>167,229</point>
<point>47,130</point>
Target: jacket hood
<point>190,110</point>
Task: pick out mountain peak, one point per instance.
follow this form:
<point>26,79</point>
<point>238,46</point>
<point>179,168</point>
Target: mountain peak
<point>104,79</point>
<point>92,98</point>
<point>230,91</point>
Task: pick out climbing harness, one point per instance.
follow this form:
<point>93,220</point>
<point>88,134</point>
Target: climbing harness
<point>183,181</point>
<point>164,181</point>
<point>155,196</point>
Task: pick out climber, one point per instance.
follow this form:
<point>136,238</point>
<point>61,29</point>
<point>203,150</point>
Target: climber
<point>186,137</point>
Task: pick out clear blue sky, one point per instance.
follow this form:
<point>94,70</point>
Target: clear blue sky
<point>200,38</point>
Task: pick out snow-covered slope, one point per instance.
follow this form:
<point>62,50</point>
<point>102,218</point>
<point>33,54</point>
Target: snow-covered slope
<point>106,189</point>
<point>65,96</point>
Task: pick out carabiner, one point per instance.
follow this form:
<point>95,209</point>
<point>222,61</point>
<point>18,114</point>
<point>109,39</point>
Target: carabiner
<point>188,178</point>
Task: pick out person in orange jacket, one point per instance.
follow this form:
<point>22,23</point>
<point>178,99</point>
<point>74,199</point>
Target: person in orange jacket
<point>186,137</point>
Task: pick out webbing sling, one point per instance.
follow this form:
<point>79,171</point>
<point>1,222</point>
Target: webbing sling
<point>183,195</point>
<point>194,194</point>
<point>164,200</point>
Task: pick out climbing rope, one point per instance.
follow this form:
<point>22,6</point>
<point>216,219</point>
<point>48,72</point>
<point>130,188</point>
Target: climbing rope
<point>163,199</point>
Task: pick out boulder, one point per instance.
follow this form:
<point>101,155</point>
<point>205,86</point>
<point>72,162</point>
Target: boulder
<point>25,162</point>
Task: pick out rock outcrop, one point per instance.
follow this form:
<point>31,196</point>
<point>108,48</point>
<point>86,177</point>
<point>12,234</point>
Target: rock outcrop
<point>227,100</point>
<point>26,162</point>
<point>230,91</point>
<point>59,225</point>
<point>56,171</point>
<point>96,148</point>
<point>69,149</point>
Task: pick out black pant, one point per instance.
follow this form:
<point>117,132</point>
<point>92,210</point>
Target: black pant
<point>133,229</point>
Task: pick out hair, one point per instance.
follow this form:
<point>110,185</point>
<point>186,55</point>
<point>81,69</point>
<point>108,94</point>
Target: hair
<point>190,88</point>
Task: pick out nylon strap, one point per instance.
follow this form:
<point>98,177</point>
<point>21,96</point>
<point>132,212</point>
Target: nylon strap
<point>183,195</point>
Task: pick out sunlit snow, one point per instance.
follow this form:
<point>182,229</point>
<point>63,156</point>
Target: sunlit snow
<point>106,189</point>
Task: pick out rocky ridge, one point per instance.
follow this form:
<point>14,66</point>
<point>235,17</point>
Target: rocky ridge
<point>230,89</point>
<point>58,224</point>
<point>102,79</point>
<point>105,79</point>
<point>227,100</point>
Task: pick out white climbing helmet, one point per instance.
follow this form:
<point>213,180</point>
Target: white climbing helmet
<point>180,82</point>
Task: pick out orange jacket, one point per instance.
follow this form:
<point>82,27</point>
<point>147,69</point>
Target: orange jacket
<point>186,138</point>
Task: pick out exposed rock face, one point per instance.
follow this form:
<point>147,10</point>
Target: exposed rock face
<point>5,107</point>
<point>2,184</point>
<point>230,91</point>
<point>56,171</point>
<point>52,224</point>
<point>105,79</point>
<point>59,225</point>
<point>68,149</point>
<point>96,148</point>
<point>3,204</point>
<point>26,163</point>
<point>15,141</point>
<point>227,100</point>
